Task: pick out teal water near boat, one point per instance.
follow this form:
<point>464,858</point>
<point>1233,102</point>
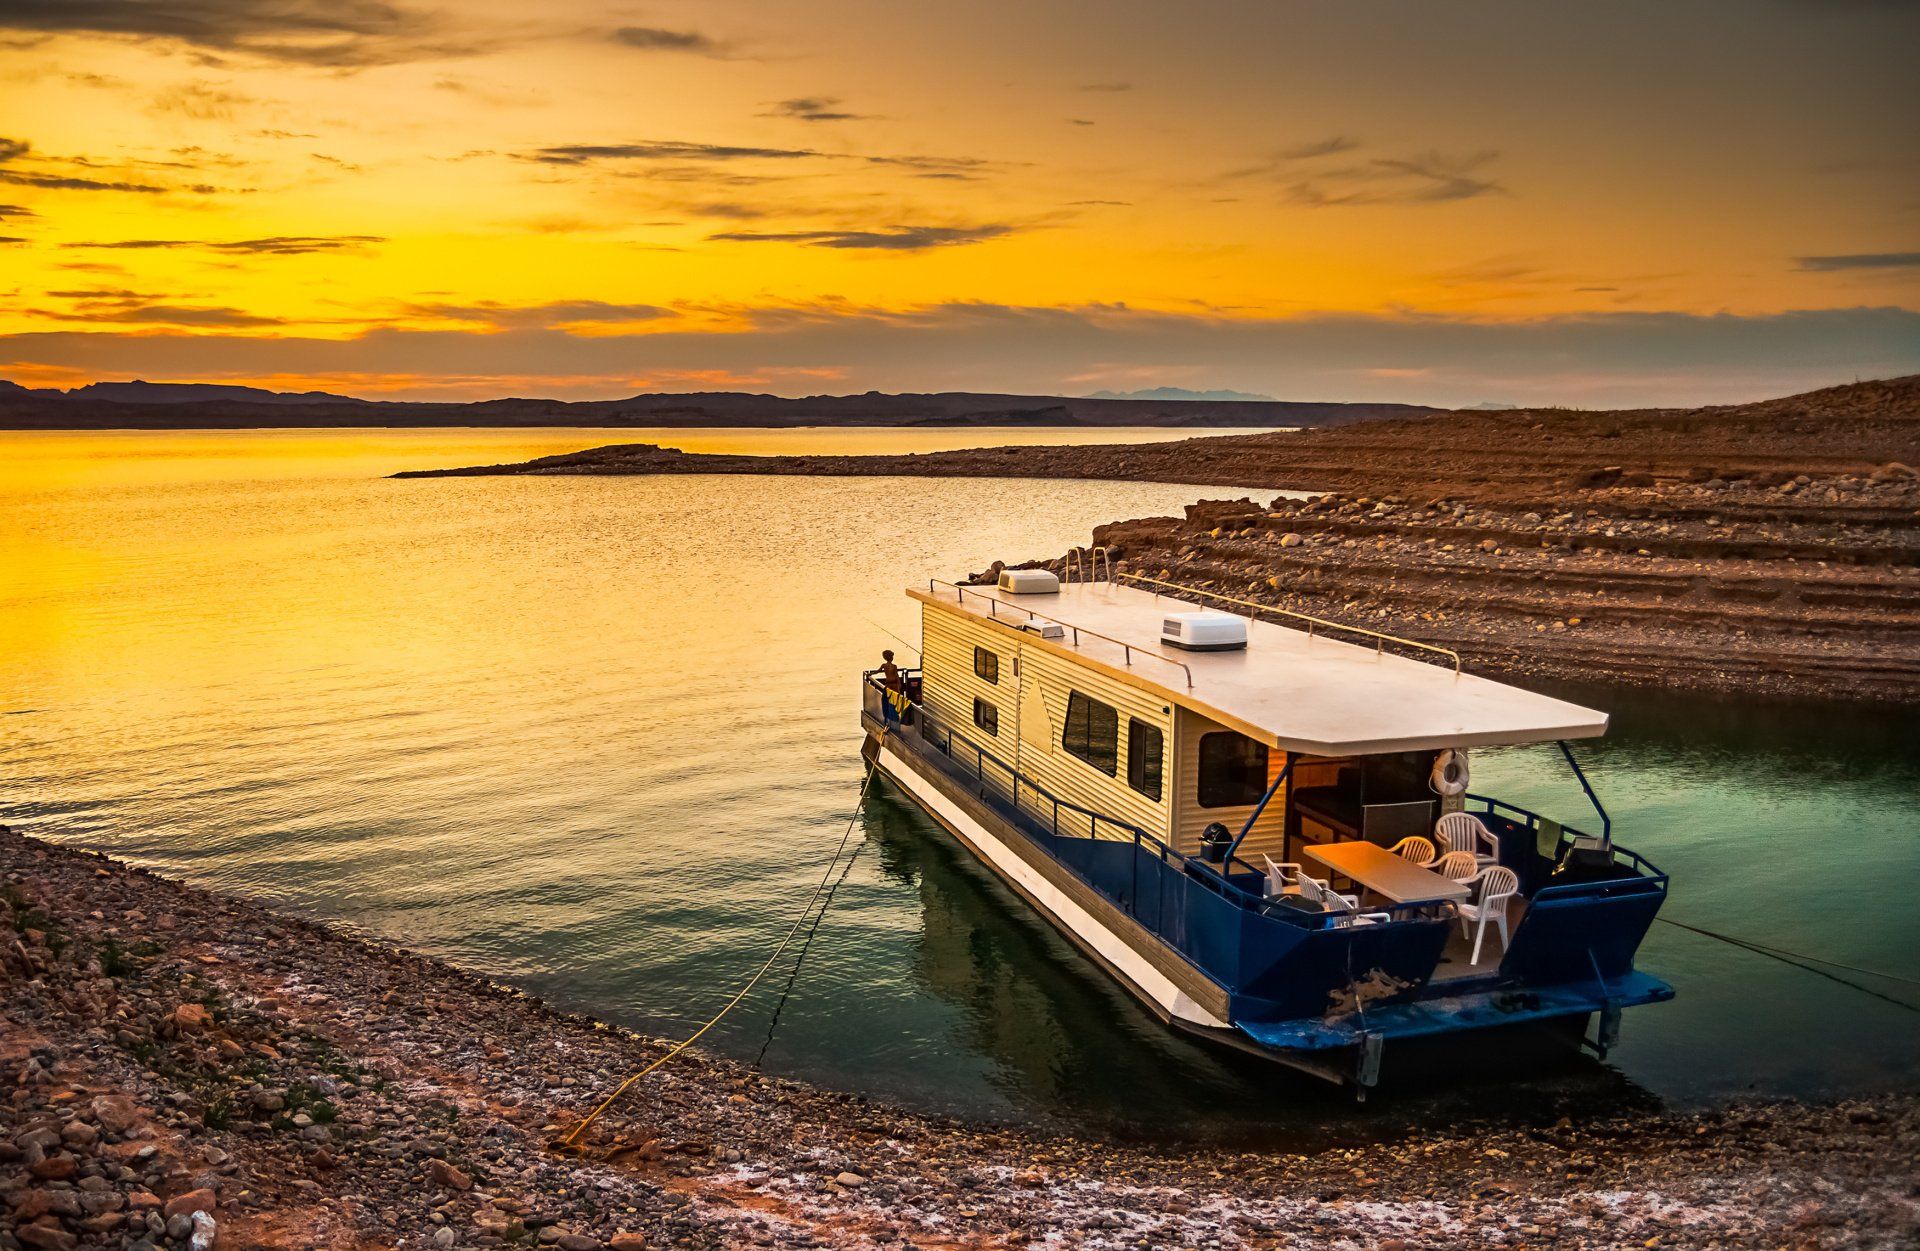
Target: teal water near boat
<point>596,737</point>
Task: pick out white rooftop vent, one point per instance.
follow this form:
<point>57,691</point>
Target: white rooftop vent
<point>1204,631</point>
<point>1029,581</point>
<point>1046,629</point>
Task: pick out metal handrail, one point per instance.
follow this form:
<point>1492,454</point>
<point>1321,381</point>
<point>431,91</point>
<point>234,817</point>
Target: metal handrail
<point>930,720</point>
<point>1380,639</point>
<point>1088,569</point>
<point>1531,820</point>
<point>995,604</point>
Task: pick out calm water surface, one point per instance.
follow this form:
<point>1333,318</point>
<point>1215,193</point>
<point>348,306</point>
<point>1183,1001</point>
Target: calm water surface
<point>597,737</point>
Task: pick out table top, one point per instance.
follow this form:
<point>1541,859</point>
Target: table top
<point>1380,870</point>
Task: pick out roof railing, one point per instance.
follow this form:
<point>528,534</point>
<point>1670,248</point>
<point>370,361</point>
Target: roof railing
<point>1313,623</point>
<point>995,604</point>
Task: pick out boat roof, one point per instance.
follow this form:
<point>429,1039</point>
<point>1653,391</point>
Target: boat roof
<point>1301,691</point>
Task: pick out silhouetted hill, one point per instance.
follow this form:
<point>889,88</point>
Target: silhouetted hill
<point>187,406</point>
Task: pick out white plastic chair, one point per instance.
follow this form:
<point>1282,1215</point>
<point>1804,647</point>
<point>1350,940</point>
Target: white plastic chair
<point>1323,894</point>
<point>1419,850</point>
<point>1458,866</point>
<point>1462,831</point>
<point>1498,884</point>
<point>1283,877</point>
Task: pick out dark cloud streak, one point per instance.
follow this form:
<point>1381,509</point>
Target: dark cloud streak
<point>339,34</point>
<point>1858,260</point>
<point>892,239</point>
<point>659,39</point>
<point>277,245</point>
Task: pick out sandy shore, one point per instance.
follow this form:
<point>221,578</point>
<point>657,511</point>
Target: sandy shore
<point>1769,549</point>
<point>168,1051</point>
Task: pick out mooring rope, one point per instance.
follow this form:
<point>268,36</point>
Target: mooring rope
<point>1800,960</point>
<point>805,947</point>
<point>759,973</point>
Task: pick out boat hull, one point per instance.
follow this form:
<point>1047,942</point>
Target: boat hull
<point>1344,1048</point>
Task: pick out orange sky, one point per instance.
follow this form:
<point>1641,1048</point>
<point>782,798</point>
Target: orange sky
<point>1523,201</point>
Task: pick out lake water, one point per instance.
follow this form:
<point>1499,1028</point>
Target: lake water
<point>597,737</point>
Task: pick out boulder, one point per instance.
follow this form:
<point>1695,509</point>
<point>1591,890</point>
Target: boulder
<point>202,1200</point>
<point>115,1113</point>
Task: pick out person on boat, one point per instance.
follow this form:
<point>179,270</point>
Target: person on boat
<point>895,702</point>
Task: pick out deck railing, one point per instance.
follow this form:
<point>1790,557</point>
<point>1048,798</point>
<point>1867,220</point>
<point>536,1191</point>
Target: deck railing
<point>1380,640</point>
<point>1035,810</point>
<point>995,604</point>
<point>1646,876</point>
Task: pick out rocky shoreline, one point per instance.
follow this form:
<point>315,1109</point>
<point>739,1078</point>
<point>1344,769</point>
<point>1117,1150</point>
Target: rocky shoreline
<point>188,1069</point>
<point>1764,549</point>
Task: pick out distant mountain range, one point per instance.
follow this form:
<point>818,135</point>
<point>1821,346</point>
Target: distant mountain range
<point>1181,393</point>
<point>191,406</point>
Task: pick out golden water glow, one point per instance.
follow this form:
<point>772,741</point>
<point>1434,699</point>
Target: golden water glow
<point>585,198</point>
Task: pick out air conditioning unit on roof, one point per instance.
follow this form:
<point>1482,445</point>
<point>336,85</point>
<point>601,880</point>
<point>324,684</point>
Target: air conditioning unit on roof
<point>1029,581</point>
<point>1204,631</point>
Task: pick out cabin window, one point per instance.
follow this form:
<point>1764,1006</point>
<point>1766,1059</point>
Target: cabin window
<point>986,716</point>
<point>1233,770</point>
<point>986,665</point>
<point>1092,733</point>
<point>1144,746</point>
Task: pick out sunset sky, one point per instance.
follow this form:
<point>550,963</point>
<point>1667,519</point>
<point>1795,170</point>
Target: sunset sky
<point>1444,202</point>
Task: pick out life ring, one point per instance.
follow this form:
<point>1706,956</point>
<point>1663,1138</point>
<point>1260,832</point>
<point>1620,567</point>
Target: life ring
<point>1449,775</point>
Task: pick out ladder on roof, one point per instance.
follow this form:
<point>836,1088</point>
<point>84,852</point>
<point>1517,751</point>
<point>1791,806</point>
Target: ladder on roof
<point>1089,569</point>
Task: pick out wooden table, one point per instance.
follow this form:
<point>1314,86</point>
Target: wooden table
<point>1384,873</point>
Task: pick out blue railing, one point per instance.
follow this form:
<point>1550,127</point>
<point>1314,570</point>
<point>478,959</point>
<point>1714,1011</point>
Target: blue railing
<point>1033,805</point>
<point>1648,876</point>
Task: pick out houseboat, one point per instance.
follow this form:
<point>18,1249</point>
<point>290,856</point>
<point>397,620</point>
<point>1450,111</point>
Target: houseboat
<point>1260,823</point>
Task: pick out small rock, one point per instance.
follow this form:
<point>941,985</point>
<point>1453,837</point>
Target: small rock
<point>202,1200</point>
<point>191,1018</point>
<point>578,1242</point>
<point>626,1240</point>
<point>444,1236</point>
<point>1291,539</point>
<point>850,1179</point>
<point>441,1173</point>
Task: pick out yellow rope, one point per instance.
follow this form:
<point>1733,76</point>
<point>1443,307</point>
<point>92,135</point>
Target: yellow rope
<point>760,973</point>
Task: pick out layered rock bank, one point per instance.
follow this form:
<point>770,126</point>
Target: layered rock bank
<point>182,1069</point>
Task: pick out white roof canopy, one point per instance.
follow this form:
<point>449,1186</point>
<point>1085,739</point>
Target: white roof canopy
<point>1305,693</point>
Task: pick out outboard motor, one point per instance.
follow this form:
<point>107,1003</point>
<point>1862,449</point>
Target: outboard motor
<point>1214,841</point>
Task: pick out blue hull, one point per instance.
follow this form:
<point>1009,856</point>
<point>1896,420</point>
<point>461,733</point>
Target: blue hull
<point>1447,1014</point>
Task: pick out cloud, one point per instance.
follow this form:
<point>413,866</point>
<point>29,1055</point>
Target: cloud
<point>200,101</point>
<point>892,239</point>
<point>276,245</point>
<point>658,39</point>
<point>564,315</point>
<point>134,308</point>
<point>340,34</point>
<point>1109,86</point>
<point>813,109</point>
<point>13,150</point>
<point>660,150</point>
<point>16,210</point>
<point>1859,260</point>
<point>1610,359</point>
<point>1432,178</point>
<point>1331,146</point>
